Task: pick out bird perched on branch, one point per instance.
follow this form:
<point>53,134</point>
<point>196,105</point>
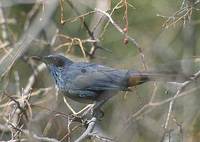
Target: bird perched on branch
<point>88,82</point>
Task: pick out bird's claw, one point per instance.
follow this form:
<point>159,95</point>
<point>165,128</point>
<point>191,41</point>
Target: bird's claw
<point>99,114</point>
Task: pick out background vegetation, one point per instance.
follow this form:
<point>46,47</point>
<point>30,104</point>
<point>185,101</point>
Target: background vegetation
<point>132,34</point>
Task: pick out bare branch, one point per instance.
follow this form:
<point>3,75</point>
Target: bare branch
<point>23,44</point>
<point>125,34</point>
<point>32,78</point>
<point>88,131</point>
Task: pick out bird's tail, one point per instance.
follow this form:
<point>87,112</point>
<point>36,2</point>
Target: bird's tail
<point>136,78</point>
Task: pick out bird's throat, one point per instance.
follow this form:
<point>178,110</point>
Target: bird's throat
<point>58,77</point>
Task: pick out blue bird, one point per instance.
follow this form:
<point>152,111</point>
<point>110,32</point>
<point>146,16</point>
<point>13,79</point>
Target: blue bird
<point>89,82</point>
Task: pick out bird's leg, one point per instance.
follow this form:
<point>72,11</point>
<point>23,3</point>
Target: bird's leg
<point>97,112</point>
<point>98,104</point>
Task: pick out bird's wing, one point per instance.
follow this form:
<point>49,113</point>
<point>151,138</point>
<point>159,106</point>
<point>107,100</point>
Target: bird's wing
<point>93,77</point>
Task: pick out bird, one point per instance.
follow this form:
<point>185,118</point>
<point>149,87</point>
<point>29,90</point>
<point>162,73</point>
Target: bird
<point>89,82</point>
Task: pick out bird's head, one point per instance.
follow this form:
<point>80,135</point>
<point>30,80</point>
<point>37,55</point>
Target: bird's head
<point>57,66</point>
<point>56,61</point>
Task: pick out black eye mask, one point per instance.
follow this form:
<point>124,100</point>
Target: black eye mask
<point>59,62</point>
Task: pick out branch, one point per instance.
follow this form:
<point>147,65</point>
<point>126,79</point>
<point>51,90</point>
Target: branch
<point>118,27</point>
<point>90,33</point>
<point>186,83</point>
<point>40,138</point>
<point>125,35</point>
<point>32,78</point>
<point>88,131</point>
<point>102,138</point>
<point>171,100</point>
<point>23,44</point>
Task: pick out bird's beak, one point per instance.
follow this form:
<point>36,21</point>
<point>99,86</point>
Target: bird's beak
<point>37,58</point>
<point>44,59</point>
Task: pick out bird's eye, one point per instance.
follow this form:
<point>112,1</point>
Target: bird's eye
<point>59,62</point>
<point>83,70</point>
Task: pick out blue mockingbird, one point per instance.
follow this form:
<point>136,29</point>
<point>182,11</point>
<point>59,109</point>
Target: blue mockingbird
<point>88,82</point>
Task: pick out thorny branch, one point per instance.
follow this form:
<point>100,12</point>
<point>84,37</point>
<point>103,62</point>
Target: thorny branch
<point>118,27</point>
<point>28,134</point>
<point>125,34</point>
<point>183,14</point>
<point>20,107</point>
<point>89,132</point>
<point>180,92</point>
<point>24,43</point>
<point>120,4</point>
<point>90,33</point>
<point>74,41</point>
<point>90,124</point>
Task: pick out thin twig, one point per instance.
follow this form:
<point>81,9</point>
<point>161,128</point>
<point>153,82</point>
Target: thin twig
<point>124,34</point>
<point>32,78</point>
<point>170,100</point>
<point>90,33</point>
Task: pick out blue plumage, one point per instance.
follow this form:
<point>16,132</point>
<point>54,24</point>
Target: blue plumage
<point>84,80</point>
<point>88,81</point>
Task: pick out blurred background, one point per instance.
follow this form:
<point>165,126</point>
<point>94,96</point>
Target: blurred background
<point>136,35</point>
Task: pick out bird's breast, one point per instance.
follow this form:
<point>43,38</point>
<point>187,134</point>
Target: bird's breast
<point>59,79</point>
